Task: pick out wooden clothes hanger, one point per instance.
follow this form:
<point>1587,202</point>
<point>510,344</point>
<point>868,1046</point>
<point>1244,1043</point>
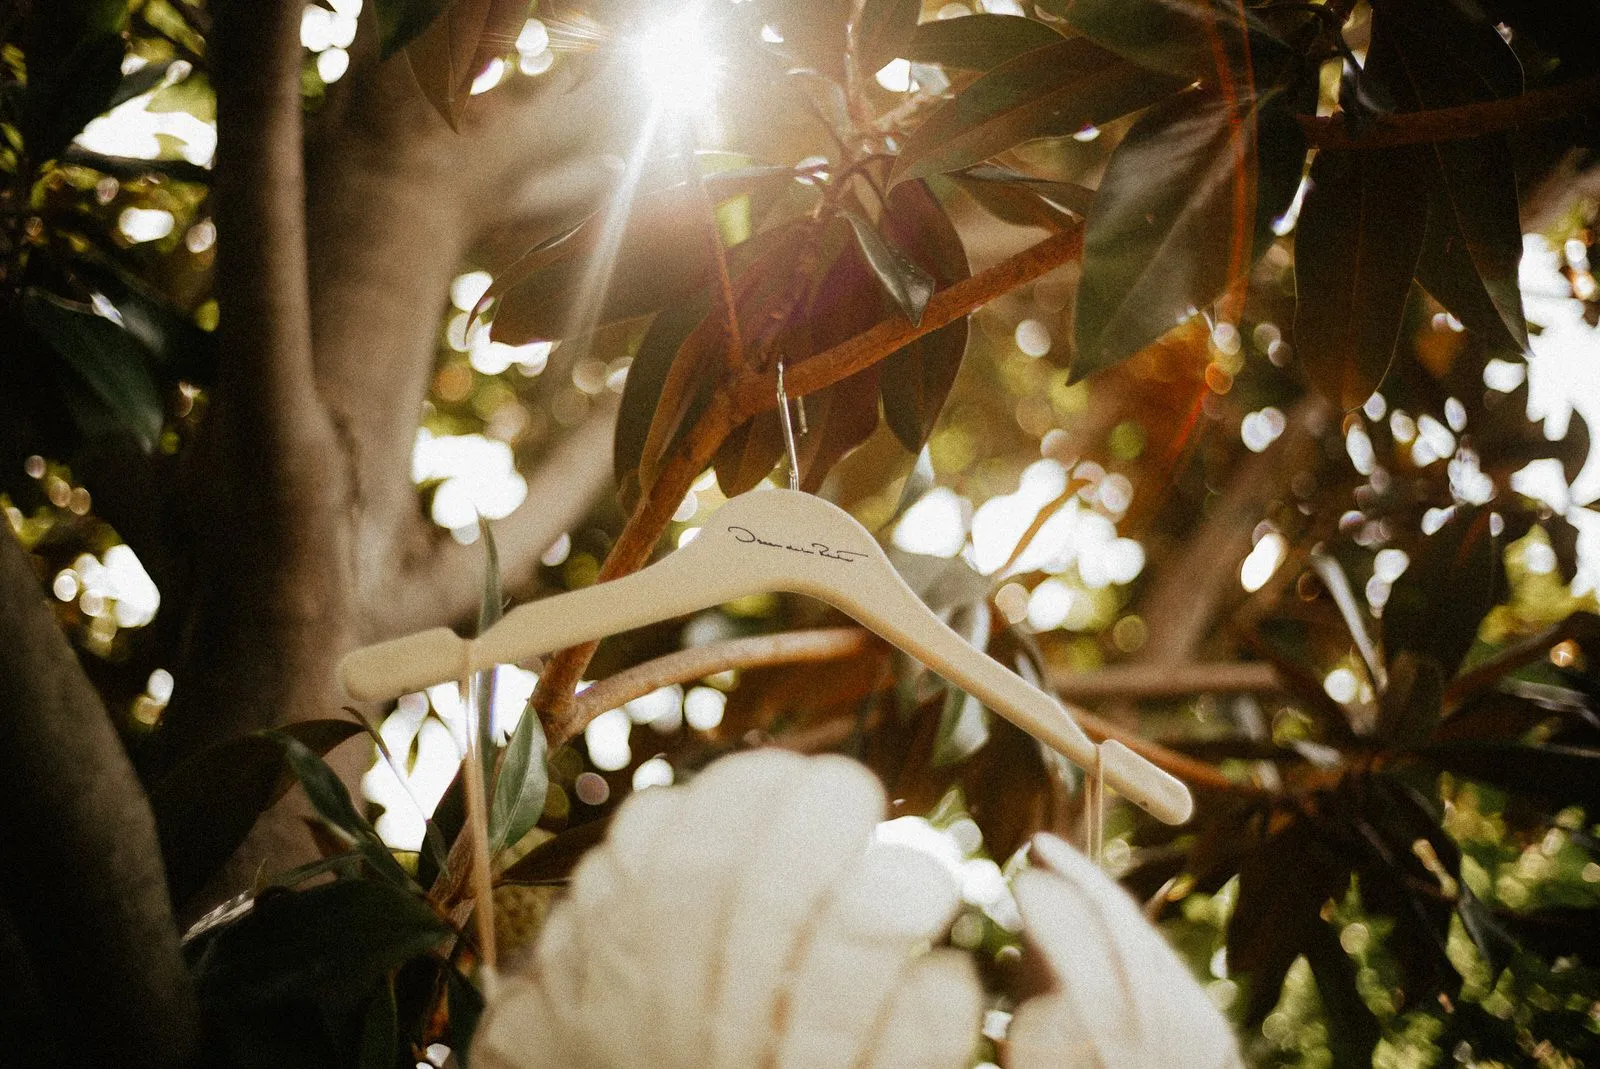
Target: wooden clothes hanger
<point>766,541</point>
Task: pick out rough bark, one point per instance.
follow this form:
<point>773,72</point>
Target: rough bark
<point>83,893</point>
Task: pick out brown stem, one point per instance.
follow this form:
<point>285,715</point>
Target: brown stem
<point>754,392</point>
<point>1194,773</point>
<point>1454,124</point>
<point>1135,682</point>
<point>697,662</point>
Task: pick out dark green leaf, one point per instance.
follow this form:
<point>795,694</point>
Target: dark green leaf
<point>1435,607</point>
<point>332,802</point>
<point>520,785</point>
<point>909,286</point>
<point>1494,940</point>
<point>1566,775</point>
<point>647,377</point>
<point>466,1007</point>
<point>749,453</point>
<point>1283,885</point>
<point>918,377</point>
<point>108,359</point>
<point>380,1031</point>
<point>1356,247</point>
<point>1433,54</point>
<point>1047,92</point>
<point>1171,226</point>
<point>1353,1030</point>
<point>61,97</point>
<point>1409,708</point>
<point>401,21</point>
<point>553,860</point>
<point>1182,37</point>
<point>334,943</point>
<point>883,32</point>
<point>978,42</point>
<point>206,806</point>
<point>1067,196</point>
<point>490,609</point>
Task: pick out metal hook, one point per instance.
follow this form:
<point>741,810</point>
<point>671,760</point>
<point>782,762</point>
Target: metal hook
<point>788,431</point>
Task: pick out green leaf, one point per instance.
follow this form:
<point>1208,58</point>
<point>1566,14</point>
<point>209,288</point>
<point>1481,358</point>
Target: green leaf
<point>457,45</point>
<point>1436,606</point>
<point>332,802</point>
<point>521,784</point>
<point>883,32</point>
<point>1434,54</point>
<point>647,376</point>
<point>917,378</point>
<point>465,1005</point>
<point>108,359</point>
<point>749,453</point>
<point>490,610</point>
<point>1409,708</point>
<point>1446,270</point>
<point>334,943</point>
<point>978,42</point>
<point>1565,775</point>
<point>208,803</point>
<point>552,861</point>
<point>1066,196</point>
<point>1180,37</point>
<point>401,21</point>
<point>1165,236</point>
<point>1047,92</point>
<point>1357,243</point>
<point>72,78</point>
<point>909,286</point>
<point>380,1031</point>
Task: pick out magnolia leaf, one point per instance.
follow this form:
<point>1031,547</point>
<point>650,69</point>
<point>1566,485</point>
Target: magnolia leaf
<point>331,800</point>
<point>917,378</point>
<point>647,377</point>
<point>106,358</point>
<point>1435,54</point>
<point>1437,604</point>
<point>1121,995</point>
<point>747,917</point>
<point>1357,243</point>
<point>883,32</point>
<point>1180,37</point>
<point>749,453</point>
<point>1171,226</point>
<point>1046,92</point>
<point>400,21</point>
<point>908,285</point>
<point>457,45</point>
<point>978,42</point>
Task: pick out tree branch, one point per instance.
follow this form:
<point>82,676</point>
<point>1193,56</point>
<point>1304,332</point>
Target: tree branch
<point>1454,124</point>
<point>755,392</point>
<point>1140,682</point>
<point>83,878</point>
<point>697,662</point>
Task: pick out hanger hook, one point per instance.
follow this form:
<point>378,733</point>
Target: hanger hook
<point>788,431</point>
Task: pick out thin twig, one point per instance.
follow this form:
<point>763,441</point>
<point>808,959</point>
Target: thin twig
<point>697,662</point>
<point>1144,682</point>
<point>1454,124</point>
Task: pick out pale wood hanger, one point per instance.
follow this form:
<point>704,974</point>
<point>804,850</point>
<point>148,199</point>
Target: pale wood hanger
<point>766,541</point>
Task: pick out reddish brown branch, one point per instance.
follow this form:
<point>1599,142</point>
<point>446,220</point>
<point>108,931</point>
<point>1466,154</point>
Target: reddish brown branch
<point>1454,124</point>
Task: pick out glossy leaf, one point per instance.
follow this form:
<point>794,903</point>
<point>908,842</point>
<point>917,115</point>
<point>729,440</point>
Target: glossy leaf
<point>457,45</point>
<point>1180,36</point>
<point>907,284</point>
<point>1047,92</point>
<point>520,785</point>
<point>684,393</point>
<point>331,800</point>
<point>1433,54</point>
<point>1566,775</point>
<point>883,32</point>
<point>978,42</point>
<point>1353,1030</point>
<point>917,378</point>
<point>380,1031</point>
<point>1357,242</point>
<point>400,21</point>
<point>1409,708</point>
<point>1066,196</point>
<point>106,358</point>
<point>749,453</point>
<point>333,943</point>
<point>552,861</point>
<point>1165,236</point>
<point>207,804</point>
<point>1447,271</point>
<point>647,377</point>
<point>1435,607</point>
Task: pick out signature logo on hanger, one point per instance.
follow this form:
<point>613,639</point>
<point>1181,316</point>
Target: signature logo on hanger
<point>810,549</point>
